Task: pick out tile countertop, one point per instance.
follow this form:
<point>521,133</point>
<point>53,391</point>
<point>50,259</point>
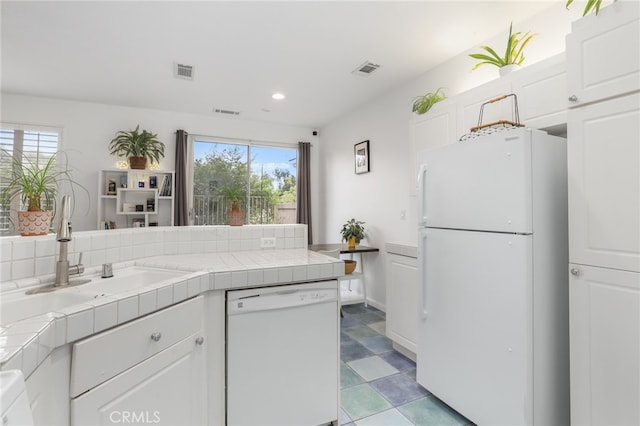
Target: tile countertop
<point>403,249</point>
<point>25,344</point>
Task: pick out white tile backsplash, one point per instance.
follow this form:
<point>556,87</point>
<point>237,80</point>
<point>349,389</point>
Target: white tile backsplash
<point>27,257</point>
<point>45,247</point>
<point>23,249</point>
<point>21,269</point>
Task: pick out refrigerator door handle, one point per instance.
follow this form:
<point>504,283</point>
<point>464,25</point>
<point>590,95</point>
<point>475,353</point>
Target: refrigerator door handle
<point>422,177</point>
<point>422,253</point>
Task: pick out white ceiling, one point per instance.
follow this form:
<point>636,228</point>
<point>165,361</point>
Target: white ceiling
<point>123,52</point>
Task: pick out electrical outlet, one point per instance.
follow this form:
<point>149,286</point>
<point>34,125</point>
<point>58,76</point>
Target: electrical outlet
<point>268,242</point>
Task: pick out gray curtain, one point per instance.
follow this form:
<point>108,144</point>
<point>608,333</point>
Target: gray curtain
<point>181,212</point>
<point>303,210</point>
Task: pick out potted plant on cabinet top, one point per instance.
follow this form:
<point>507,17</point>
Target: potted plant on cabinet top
<point>137,147</point>
<point>37,185</point>
<point>592,5</point>
<point>513,56</point>
<point>422,104</point>
<point>352,232</point>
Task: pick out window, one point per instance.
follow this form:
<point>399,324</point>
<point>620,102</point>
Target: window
<point>261,178</point>
<point>19,144</point>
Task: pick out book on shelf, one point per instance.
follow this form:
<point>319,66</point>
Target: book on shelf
<point>107,224</point>
<point>165,189</point>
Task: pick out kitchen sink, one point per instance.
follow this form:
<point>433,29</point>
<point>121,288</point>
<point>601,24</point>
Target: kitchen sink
<point>16,305</point>
<point>131,278</point>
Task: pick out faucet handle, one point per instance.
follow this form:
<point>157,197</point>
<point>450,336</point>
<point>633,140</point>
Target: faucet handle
<point>80,258</point>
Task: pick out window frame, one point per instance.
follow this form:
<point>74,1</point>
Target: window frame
<point>12,216</point>
<point>249,143</point>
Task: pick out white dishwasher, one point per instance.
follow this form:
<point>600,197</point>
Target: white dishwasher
<point>283,355</point>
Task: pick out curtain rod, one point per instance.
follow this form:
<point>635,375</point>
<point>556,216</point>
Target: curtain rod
<point>244,140</point>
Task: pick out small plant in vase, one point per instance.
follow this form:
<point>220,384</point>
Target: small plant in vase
<point>352,232</point>
<point>513,55</point>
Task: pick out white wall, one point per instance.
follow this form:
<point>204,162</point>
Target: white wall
<point>87,129</point>
<point>379,197</point>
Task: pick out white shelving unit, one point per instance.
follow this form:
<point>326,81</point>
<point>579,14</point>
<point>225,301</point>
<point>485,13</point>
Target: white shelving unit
<point>135,198</point>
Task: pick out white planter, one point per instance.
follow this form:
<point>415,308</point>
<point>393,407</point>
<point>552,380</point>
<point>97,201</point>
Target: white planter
<point>34,223</point>
<point>508,69</point>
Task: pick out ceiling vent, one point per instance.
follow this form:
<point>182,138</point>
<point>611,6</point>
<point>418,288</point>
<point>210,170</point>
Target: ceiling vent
<point>366,69</point>
<point>183,71</point>
<point>226,112</point>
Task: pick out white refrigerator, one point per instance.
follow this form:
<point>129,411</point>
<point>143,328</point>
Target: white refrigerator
<point>493,340</point>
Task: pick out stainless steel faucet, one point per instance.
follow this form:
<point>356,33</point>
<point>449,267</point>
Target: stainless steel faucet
<point>63,270</point>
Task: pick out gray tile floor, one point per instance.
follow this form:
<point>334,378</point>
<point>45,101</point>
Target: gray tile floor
<point>378,384</point>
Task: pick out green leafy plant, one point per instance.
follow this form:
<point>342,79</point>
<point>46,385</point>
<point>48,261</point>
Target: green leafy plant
<point>514,52</point>
<point>34,183</point>
<point>134,143</point>
<point>423,103</point>
<point>592,5</point>
<point>353,228</point>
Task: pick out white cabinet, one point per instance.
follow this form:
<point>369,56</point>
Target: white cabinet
<point>605,346</point>
<point>542,102</point>
<point>434,128</point>
<point>604,215</point>
<point>166,389</point>
<point>48,388</point>
<point>541,90</point>
<point>151,369</point>
<point>603,58</point>
<point>604,184</point>
<point>402,300</point>
<point>135,198</point>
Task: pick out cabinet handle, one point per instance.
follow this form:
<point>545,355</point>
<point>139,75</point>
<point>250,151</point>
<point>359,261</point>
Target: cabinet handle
<point>575,271</point>
<point>573,98</point>
<point>200,340</point>
<point>156,336</point>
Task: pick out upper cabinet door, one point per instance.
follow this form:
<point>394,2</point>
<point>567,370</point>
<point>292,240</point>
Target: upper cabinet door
<point>436,127</point>
<point>604,184</point>
<point>602,60</point>
<point>541,91</point>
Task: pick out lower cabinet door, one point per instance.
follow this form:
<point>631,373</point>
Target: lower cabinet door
<point>166,389</point>
<point>605,346</point>
<point>402,300</point>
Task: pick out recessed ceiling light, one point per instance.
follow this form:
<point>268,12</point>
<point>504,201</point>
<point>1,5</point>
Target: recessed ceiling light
<point>278,96</point>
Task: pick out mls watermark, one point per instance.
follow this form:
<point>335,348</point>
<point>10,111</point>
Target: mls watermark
<point>134,417</point>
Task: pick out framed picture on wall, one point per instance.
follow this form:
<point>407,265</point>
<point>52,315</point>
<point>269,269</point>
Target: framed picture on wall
<point>361,154</point>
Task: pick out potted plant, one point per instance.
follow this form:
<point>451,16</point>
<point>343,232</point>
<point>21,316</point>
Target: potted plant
<point>137,147</point>
<point>234,194</point>
<point>352,232</point>
<point>423,103</point>
<point>513,55</point>
<point>37,186</point>
<point>592,5</point>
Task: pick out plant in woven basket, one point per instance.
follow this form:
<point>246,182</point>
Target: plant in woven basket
<point>423,103</point>
<point>513,55</point>
<point>137,146</point>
